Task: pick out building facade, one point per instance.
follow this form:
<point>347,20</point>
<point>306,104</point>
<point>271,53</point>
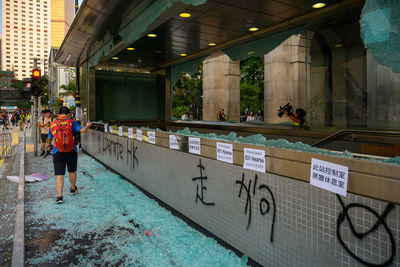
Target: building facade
<point>30,29</point>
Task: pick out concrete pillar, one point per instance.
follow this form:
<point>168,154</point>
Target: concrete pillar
<point>221,87</point>
<point>285,78</point>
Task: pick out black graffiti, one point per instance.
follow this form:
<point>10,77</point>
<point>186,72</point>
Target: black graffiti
<point>202,187</point>
<point>264,203</point>
<point>113,148</point>
<point>344,215</point>
<point>131,158</point>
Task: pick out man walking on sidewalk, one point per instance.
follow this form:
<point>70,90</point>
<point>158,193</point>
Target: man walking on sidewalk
<point>65,151</point>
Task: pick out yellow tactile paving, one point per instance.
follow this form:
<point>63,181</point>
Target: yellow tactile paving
<point>29,148</point>
<point>15,137</point>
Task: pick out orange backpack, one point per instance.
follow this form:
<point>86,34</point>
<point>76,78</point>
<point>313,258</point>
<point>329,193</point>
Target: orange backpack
<point>64,139</point>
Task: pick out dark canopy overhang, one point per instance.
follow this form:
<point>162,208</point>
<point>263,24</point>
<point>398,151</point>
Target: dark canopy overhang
<point>103,29</point>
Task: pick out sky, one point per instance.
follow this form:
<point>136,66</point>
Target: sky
<point>1,13</point>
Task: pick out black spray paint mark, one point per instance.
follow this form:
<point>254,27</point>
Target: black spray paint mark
<point>263,201</point>
<point>114,148</point>
<point>131,158</point>
<point>344,215</point>
<point>202,187</point>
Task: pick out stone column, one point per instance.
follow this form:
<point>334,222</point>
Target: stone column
<point>285,78</point>
<point>221,87</point>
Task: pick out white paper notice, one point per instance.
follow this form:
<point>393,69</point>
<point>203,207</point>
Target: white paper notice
<point>194,145</point>
<point>254,159</point>
<point>130,132</point>
<point>173,142</point>
<point>329,176</point>
<point>225,152</point>
<point>105,128</point>
<point>110,129</point>
<point>120,133</point>
<point>152,137</point>
<point>139,134</point>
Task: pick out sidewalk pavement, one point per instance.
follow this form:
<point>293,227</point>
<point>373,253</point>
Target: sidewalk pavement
<point>8,198</point>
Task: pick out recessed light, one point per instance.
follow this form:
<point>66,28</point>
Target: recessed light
<point>253,29</point>
<point>212,44</point>
<point>251,52</point>
<point>158,52</point>
<point>183,55</point>
<point>152,35</point>
<point>338,45</point>
<point>115,57</point>
<point>319,5</point>
<point>185,15</point>
<point>130,48</point>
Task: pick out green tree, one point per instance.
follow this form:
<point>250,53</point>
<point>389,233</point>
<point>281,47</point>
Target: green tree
<point>23,105</point>
<point>252,84</point>
<point>187,90</point>
<point>70,88</point>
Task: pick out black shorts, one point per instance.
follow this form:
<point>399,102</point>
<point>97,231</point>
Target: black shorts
<point>44,137</point>
<point>60,159</point>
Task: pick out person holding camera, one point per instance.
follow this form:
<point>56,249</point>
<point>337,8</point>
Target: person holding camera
<point>297,117</point>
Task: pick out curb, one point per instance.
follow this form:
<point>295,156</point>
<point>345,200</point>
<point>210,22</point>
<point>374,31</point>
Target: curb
<point>18,256</point>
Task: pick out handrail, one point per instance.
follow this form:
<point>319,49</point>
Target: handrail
<point>18,256</point>
<point>5,145</point>
<point>349,131</point>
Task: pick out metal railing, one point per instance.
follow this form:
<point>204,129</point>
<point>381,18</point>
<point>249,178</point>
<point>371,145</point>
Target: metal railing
<point>5,145</point>
<point>359,132</point>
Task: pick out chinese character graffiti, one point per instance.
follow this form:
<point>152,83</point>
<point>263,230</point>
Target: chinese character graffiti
<point>202,187</point>
<point>265,205</point>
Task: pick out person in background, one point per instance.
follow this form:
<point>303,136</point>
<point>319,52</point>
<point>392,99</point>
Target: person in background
<point>245,113</point>
<point>297,117</point>
<point>65,151</point>
<point>28,120</point>
<point>185,115</point>
<point>44,124</point>
<point>260,115</point>
<point>2,123</point>
<point>221,116</point>
<point>251,116</point>
<point>21,121</point>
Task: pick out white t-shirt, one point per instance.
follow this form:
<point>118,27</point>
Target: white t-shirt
<point>250,118</point>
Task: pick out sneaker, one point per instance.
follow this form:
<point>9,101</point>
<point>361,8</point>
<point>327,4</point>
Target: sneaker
<point>73,191</point>
<point>59,200</point>
<point>43,152</point>
<point>47,153</point>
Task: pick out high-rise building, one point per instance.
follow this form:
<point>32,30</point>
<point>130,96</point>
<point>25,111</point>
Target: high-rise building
<point>62,15</point>
<point>30,29</point>
<point>26,35</point>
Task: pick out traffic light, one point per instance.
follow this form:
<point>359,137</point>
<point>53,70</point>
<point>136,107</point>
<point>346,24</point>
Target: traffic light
<point>61,101</point>
<point>36,84</point>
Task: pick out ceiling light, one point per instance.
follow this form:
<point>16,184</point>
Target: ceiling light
<point>158,52</point>
<point>152,35</point>
<point>185,15</point>
<point>251,52</point>
<point>212,44</point>
<point>319,5</point>
<point>130,48</point>
<point>338,45</point>
<point>115,57</point>
<point>253,29</point>
<point>183,55</point>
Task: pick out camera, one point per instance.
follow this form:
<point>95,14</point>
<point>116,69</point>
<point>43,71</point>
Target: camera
<point>287,107</point>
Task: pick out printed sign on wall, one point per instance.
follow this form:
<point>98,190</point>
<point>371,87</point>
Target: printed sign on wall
<point>254,159</point>
<point>120,131</point>
<point>194,145</point>
<point>225,152</point>
<point>105,128</point>
<point>329,176</point>
<point>173,142</point>
<point>152,137</point>
<point>130,132</point>
<point>139,134</point>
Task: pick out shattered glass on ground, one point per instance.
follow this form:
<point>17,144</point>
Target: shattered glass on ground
<point>110,223</point>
